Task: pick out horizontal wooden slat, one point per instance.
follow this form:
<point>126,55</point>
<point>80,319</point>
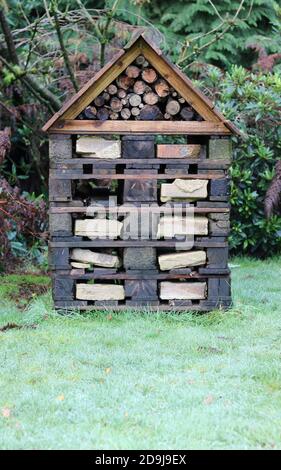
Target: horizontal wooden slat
<point>140,275</point>
<point>133,243</point>
<point>128,209</point>
<point>202,163</point>
<point>65,175</point>
<point>75,126</point>
<point>161,308</point>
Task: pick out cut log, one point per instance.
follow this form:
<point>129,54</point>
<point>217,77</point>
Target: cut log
<point>182,259</point>
<point>140,60</point>
<point>114,116</point>
<point>103,114</point>
<point>181,100</point>
<point>112,89</point>
<point>97,259</point>
<point>121,93</point>
<point>106,96</point>
<point>135,111</point>
<point>124,82</point>
<point>100,292</point>
<point>189,190</point>
<point>150,98</point>
<point>125,113</point>
<point>90,112</point>
<point>116,105</point>
<point>150,113</point>
<point>172,226</point>
<point>134,100</point>
<point>139,87</point>
<point>99,101</point>
<point>167,116</point>
<point>183,290</point>
<point>173,107</point>
<point>132,71</point>
<point>97,147</point>
<point>149,75</point>
<point>178,150</point>
<point>162,88</point>
<point>98,228</point>
<point>187,113</point>
<point>76,265</point>
<point>141,105</point>
<point>124,101</point>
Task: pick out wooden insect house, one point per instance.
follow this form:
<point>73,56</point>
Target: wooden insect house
<point>139,211</point>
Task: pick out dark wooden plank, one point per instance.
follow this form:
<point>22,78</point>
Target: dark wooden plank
<point>63,288</point>
<point>145,289</point>
<point>139,187</point>
<point>123,209</point>
<point>60,189</point>
<point>202,164</point>
<point>71,174</point>
<point>205,243</point>
<point>137,148</point>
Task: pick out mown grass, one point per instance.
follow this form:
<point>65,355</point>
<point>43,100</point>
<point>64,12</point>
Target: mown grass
<point>143,380</point>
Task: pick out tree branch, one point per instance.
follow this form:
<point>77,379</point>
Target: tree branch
<point>63,49</point>
<point>42,94</point>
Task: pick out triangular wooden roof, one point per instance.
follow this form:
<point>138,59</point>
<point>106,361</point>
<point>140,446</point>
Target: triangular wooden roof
<point>214,122</point>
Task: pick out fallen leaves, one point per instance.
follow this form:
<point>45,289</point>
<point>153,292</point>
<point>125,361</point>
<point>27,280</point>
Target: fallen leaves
<point>6,412</point>
<point>208,400</point>
<point>108,370</point>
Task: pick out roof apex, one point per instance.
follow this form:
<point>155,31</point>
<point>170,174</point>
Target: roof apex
<point>139,44</point>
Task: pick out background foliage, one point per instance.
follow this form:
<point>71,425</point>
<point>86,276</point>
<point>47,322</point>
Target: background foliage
<point>59,45</point>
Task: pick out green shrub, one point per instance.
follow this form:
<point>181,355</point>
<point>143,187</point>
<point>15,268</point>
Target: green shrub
<point>253,103</point>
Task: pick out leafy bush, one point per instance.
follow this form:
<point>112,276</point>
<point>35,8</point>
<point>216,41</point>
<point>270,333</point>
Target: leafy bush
<point>23,221</point>
<point>253,102</point>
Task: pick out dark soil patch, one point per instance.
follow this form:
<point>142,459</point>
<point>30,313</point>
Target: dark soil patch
<point>27,292</point>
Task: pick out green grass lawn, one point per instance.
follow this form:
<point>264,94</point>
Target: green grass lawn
<point>142,380</point>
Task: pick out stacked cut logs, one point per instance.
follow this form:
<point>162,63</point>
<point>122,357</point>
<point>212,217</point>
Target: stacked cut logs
<point>140,93</point>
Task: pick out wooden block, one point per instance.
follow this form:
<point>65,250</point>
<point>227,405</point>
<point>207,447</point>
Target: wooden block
<point>189,190</point>
<point>180,303</point>
<point>106,303</point>
<point>220,149</point>
<point>217,257</point>
<point>100,292</point>
<point>138,147</point>
<point>70,304</point>
<point>183,290</point>
<point>59,189</point>
<point>214,205</point>
<point>98,228</point>
<point>172,226</point>
<point>181,259</point>
<point>95,258</point>
<point>63,288</point>
<point>219,288</point>
<point>139,258</point>
<point>59,258</point>
<point>60,148</point>
<point>140,190</point>
<point>142,303</point>
<point>220,187</point>
<point>97,147</point>
<point>178,151</point>
<point>60,224</point>
<point>141,289</point>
